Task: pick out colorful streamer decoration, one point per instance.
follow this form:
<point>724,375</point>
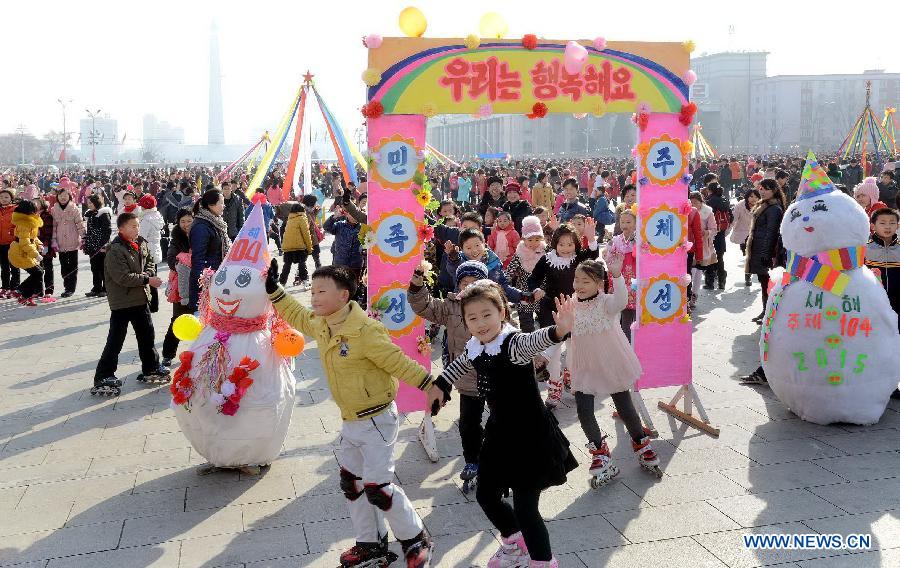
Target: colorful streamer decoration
<point>867,130</point>
<point>344,155</point>
<point>253,150</point>
<point>295,149</point>
<point>702,148</point>
<point>265,165</point>
<point>442,158</point>
<point>889,124</point>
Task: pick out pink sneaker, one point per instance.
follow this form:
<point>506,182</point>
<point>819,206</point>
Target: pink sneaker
<point>552,563</point>
<point>512,553</point>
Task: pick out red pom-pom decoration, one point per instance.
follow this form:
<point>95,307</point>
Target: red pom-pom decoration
<point>529,41</point>
<point>641,119</point>
<point>372,109</point>
<point>539,110</point>
<point>687,114</point>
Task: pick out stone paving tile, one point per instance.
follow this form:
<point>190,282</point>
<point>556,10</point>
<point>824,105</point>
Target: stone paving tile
<point>254,545</point>
<point>91,509</point>
<point>862,442</point>
<point>764,478</point>
<point>873,559</point>
<point>884,526</point>
<point>670,553</point>
<point>59,543</point>
<point>683,489</point>
<point>250,491</point>
<point>874,466</point>
<point>181,526</point>
<point>658,523</point>
<point>861,496</point>
<point>164,555</point>
<point>775,507</point>
<point>583,533</point>
<point>789,451</point>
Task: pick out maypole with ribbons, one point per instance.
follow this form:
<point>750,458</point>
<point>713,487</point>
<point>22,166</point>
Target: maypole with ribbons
<point>701,147</point>
<point>889,124</point>
<point>866,135</point>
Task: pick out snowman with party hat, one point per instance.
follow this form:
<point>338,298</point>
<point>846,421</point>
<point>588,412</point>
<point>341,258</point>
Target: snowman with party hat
<point>234,391</point>
<point>829,343</point>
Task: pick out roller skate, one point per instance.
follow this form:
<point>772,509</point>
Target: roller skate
<point>469,475</point>
<point>110,386</point>
<point>554,393</point>
<point>27,301</point>
<point>512,553</point>
<point>160,375</point>
<point>602,469</point>
<point>418,554</point>
<point>646,456</point>
<point>368,555</point>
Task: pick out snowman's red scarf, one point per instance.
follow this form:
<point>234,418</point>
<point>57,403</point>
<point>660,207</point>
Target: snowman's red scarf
<point>825,271</point>
<point>232,324</point>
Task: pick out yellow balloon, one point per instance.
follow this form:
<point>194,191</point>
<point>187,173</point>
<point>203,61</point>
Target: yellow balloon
<point>413,22</point>
<point>186,327</point>
<point>492,25</point>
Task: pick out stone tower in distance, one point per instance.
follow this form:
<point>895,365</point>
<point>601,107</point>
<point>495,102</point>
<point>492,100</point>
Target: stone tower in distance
<point>216,133</point>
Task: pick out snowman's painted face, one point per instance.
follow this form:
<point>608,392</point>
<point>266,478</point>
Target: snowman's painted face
<point>830,221</point>
<point>238,291</point>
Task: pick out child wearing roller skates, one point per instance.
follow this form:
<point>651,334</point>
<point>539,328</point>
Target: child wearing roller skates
<point>523,448</point>
<point>128,273</point>
<point>448,313</point>
<point>602,362</point>
<point>552,276</point>
<point>361,364</point>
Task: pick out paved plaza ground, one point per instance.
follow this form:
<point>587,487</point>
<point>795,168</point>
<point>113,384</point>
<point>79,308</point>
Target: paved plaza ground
<point>96,482</point>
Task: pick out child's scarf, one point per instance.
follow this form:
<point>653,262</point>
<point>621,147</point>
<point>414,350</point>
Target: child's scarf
<point>824,270</point>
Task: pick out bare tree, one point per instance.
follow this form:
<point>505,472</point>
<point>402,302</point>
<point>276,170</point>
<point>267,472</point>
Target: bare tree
<point>734,122</point>
<point>773,132</point>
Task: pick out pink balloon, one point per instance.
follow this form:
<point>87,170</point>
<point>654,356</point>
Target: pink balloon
<point>373,41</point>
<point>600,43</point>
<point>574,57</point>
<point>689,77</point>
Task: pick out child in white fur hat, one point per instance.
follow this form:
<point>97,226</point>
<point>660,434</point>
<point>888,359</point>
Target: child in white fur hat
<point>529,251</point>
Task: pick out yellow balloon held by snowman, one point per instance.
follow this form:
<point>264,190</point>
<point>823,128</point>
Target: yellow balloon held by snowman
<point>186,327</point>
<point>413,22</point>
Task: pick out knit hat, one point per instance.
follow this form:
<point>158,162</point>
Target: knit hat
<point>513,187</point>
<point>756,177</point>
<point>868,187</point>
<point>473,268</point>
<point>147,201</point>
<point>531,227</point>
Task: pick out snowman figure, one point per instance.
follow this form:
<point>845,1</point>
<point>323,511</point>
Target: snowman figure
<point>829,344</point>
<point>233,394</point>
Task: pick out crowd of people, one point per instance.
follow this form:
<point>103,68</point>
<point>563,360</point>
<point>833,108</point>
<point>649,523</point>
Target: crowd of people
<point>529,259</point>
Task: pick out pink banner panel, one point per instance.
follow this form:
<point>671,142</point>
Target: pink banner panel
<point>662,332</point>
<point>394,217</point>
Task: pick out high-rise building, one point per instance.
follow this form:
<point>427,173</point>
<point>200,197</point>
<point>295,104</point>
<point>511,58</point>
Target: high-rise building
<point>216,132</point>
<point>99,137</point>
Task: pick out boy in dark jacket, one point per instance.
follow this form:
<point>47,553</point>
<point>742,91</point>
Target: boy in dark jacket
<point>883,254</point>
<point>129,271</point>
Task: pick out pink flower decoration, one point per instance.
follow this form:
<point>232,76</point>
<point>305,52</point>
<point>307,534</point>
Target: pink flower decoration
<point>643,108</point>
<point>600,43</point>
<point>373,41</point>
<point>689,77</point>
<point>230,408</point>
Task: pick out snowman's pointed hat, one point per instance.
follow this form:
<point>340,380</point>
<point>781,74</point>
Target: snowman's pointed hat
<point>250,247</point>
<point>814,181</point>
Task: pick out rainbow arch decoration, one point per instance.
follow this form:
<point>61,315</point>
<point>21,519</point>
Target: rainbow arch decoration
<point>411,79</point>
<point>447,77</point>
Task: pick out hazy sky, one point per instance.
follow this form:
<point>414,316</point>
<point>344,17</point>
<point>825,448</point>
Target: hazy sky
<point>132,58</point>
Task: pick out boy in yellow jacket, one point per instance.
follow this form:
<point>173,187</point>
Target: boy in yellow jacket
<point>360,363</point>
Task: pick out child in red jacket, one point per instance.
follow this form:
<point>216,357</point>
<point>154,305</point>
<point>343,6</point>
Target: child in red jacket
<point>504,239</point>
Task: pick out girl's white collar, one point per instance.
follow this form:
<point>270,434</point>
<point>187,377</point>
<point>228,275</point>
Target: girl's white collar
<point>474,348</point>
<point>557,261</point>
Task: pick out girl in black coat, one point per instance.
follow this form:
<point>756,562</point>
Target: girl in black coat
<point>209,239</point>
<point>97,235</point>
<point>764,244</point>
<point>524,448</point>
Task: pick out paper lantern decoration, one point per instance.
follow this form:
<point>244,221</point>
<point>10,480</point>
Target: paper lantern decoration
<point>289,342</point>
<point>492,25</point>
<point>413,22</point>
<point>186,327</point>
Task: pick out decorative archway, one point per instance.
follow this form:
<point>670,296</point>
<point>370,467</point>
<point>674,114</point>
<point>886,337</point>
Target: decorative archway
<point>413,78</point>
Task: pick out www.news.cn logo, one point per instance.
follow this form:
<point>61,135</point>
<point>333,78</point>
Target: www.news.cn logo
<point>807,541</point>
